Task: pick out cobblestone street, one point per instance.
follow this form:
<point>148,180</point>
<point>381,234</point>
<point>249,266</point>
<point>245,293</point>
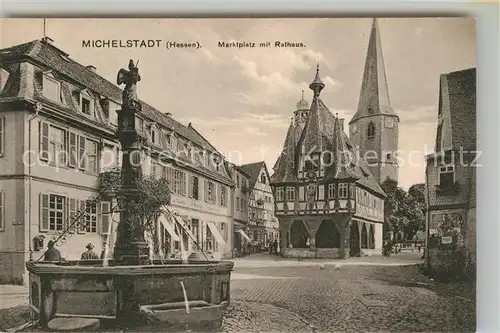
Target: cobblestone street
<point>315,296</point>
<point>347,299</point>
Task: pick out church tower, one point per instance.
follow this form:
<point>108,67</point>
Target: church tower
<point>374,126</point>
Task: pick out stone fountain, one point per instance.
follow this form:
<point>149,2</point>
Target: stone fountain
<point>131,291</point>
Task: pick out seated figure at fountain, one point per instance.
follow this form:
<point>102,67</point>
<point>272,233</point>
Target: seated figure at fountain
<point>52,254</point>
<point>89,254</point>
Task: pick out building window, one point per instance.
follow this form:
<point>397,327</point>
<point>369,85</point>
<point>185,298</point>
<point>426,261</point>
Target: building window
<point>209,191</point>
<point>290,193</point>
<point>2,211</point>
<point>91,216</point>
<point>140,124</point>
<point>237,204</point>
<point>155,138</point>
<point>263,179</point>
<point>279,194</point>
<point>331,191</point>
<point>351,191</point>
<point>51,89</point>
<point>57,146</point>
<point>223,201</point>
<point>2,136</point>
<point>237,180</point>
<point>388,156</point>
<point>194,187</point>
<point>87,106</point>
<point>154,170</point>
<point>343,191</point>
<point>371,131</point>
<point>446,176</point>
<point>179,182</point>
<point>91,156</point>
<point>52,212</point>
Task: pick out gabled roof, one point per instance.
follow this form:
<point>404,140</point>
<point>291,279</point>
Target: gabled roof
<point>253,170</point>
<point>462,102</point>
<point>374,95</point>
<point>324,131</point>
<point>76,77</point>
<point>53,58</point>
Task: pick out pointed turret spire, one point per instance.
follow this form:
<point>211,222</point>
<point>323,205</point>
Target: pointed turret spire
<point>374,95</point>
<point>317,85</point>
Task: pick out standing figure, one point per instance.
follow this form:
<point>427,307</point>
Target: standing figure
<point>52,254</point>
<point>130,78</point>
<point>89,254</point>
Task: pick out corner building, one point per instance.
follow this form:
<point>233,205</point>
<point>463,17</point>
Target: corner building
<point>327,201</point>
<point>57,142</point>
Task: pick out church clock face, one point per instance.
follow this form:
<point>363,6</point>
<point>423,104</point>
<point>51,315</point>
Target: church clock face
<point>389,122</point>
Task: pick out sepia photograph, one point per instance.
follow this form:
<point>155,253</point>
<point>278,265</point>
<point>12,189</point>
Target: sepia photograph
<point>238,174</point>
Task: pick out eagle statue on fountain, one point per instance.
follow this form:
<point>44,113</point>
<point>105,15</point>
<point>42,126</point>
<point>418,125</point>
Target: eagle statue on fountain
<point>130,78</point>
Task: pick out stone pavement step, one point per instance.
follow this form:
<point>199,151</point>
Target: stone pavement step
<point>14,317</point>
<point>74,325</point>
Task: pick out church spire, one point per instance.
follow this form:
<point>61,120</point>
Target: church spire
<point>374,95</point>
<point>317,85</point>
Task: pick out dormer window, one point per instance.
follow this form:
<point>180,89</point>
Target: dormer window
<point>139,124</point>
<point>155,135</point>
<point>86,106</point>
<point>447,175</point>
<point>51,88</point>
<point>86,103</point>
<point>263,179</point>
<point>112,114</point>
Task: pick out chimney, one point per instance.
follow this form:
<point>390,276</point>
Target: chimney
<point>92,68</point>
<point>48,40</point>
<point>341,121</point>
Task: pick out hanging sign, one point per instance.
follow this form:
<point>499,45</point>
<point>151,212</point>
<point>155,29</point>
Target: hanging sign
<point>447,240</point>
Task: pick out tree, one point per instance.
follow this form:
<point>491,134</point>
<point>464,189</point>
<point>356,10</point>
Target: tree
<point>404,212</point>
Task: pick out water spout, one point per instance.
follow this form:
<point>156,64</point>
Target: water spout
<point>105,262</point>
<point>185,298</point>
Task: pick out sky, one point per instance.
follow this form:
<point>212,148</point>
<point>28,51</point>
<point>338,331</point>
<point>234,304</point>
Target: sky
<point>242,99</point>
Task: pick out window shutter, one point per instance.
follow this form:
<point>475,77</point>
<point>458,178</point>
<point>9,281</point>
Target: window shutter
<point>2,210</point>
<point>190,186</point>
<point>44,212</point>
<point>81,152</point>
<point>73,156</point>
<point>82,213</point>
<point>105,217</point>
<point>72,215</point>
<point>205,197</point>
<point>2,136</point>
<point>44,141</point>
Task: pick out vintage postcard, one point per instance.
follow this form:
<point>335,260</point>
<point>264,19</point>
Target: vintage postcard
<point>229,175</point>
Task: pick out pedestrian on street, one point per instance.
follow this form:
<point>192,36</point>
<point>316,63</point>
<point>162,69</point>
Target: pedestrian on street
<point>52,254</point>
<point>89,254</point>
<point>275,247</point>
<point>103,253</point>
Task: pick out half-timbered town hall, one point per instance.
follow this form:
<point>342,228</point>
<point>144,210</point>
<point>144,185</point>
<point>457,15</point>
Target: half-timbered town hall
<point>328,196</point>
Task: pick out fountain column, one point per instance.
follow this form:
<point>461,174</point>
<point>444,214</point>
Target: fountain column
<point>130,246</point>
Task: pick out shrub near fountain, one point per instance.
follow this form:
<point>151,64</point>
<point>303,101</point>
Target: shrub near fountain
<point>131,291</point>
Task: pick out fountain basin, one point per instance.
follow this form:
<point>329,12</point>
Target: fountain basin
<point>89,290</point>
<point>173,317</point>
